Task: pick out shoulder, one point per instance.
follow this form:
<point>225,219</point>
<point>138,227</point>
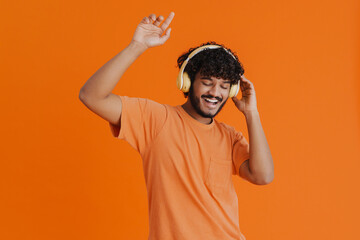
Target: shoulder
<point>141,102</point>
<point>229,130</point>
<point>143,108</point>
<point>225,127</point>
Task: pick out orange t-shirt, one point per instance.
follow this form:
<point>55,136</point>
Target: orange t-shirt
<point>187,167</point>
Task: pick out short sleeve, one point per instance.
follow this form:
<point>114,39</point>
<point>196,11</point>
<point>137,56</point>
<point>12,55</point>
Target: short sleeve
<point>141,121</point>
<point>240,152</point>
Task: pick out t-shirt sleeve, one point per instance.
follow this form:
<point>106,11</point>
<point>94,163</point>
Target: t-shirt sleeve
<point>240,151</point>
<point>141,121</point>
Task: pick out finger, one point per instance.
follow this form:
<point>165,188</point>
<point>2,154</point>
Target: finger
<point>145,20</point>
<point>167,21</point>
<point>165,37</point>
<point>242,79</point>
<point>158,20</point>
<point>244,84</point>
<point>245,79</point>
<point>235,100</point>
<point>152,17</point>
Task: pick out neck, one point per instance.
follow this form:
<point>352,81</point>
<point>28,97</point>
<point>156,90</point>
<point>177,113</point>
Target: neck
<point>192,112</point>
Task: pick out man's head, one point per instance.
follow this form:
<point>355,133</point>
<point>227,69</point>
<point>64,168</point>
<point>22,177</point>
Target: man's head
<point>208,95</point>
<point>211,73</point>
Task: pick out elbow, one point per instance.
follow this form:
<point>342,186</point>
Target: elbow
<point>267,180</point>
<point>264,180</point>
<point>82,96</point>
<point>85,95</point>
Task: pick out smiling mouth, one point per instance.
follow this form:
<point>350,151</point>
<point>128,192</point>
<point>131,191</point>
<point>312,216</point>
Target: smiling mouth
<point>211,102</point>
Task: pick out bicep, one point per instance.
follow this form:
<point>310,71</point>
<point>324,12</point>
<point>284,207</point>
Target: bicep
<point>109,108</point>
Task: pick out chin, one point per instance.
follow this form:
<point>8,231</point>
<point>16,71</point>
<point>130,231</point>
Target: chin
<point>205,112</point>
<point>209,114</point>
<point>213,112</point>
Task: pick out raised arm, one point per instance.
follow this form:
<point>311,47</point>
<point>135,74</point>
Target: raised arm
<point>96,92</point>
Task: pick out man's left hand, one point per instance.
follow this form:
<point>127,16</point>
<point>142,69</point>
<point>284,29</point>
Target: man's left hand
<point>248,101</point>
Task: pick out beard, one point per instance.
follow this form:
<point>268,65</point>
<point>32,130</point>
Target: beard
<point>195,102</point>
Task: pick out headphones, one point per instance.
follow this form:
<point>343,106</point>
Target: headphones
<point>183,81</point>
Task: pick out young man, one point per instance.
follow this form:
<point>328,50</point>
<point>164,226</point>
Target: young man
<point>188,156</point>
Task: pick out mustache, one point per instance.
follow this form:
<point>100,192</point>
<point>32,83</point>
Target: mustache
<point>211,97</point>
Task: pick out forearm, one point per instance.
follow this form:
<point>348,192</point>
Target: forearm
<point>104,80</point>
<point>260,164</point>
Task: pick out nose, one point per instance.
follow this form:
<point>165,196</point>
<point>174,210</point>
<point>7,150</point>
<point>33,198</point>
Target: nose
<point>215,91</point>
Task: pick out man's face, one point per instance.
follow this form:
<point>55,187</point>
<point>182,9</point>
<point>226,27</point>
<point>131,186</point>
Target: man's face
<point>208,95</point>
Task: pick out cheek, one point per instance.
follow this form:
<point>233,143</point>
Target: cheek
<point>225,93</point>
<point>199,92</point>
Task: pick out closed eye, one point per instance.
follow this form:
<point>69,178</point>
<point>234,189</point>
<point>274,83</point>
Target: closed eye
<point>226,86</point>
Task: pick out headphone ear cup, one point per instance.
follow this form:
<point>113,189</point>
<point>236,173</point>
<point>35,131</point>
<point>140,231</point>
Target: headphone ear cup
<point>179,81</point>
<point>234,89</point>
<point>186,82</point>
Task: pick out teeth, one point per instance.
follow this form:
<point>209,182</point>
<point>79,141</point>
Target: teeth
<point>209,100</point>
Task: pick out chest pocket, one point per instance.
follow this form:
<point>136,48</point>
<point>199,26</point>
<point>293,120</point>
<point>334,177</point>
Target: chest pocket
<point>219,176</point>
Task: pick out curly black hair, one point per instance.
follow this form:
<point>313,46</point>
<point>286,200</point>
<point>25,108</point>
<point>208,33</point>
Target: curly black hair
<point>212,63</point>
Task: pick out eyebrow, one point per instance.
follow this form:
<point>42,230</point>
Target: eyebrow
<point>207,78</point>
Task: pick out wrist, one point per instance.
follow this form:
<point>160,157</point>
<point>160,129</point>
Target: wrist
<point>251,113</point>
<point>138,46</point>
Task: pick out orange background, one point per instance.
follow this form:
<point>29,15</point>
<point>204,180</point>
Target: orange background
<point>62,174</point>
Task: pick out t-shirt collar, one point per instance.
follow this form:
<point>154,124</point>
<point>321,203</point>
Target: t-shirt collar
<point>194,121</point>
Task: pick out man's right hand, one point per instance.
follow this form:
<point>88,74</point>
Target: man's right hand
<point>148,32</point>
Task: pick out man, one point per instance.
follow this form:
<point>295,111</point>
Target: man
<point>188,156</point>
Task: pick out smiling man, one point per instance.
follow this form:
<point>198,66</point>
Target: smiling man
<point>210,102</point>
<point>188,156</point>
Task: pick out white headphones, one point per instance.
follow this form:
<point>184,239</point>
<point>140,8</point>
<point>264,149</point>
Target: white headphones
<point>183,81</point>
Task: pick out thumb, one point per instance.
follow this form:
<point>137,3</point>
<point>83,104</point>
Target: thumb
<point>145,20</point>
<point>235,100</point>
<point>166,36</point>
